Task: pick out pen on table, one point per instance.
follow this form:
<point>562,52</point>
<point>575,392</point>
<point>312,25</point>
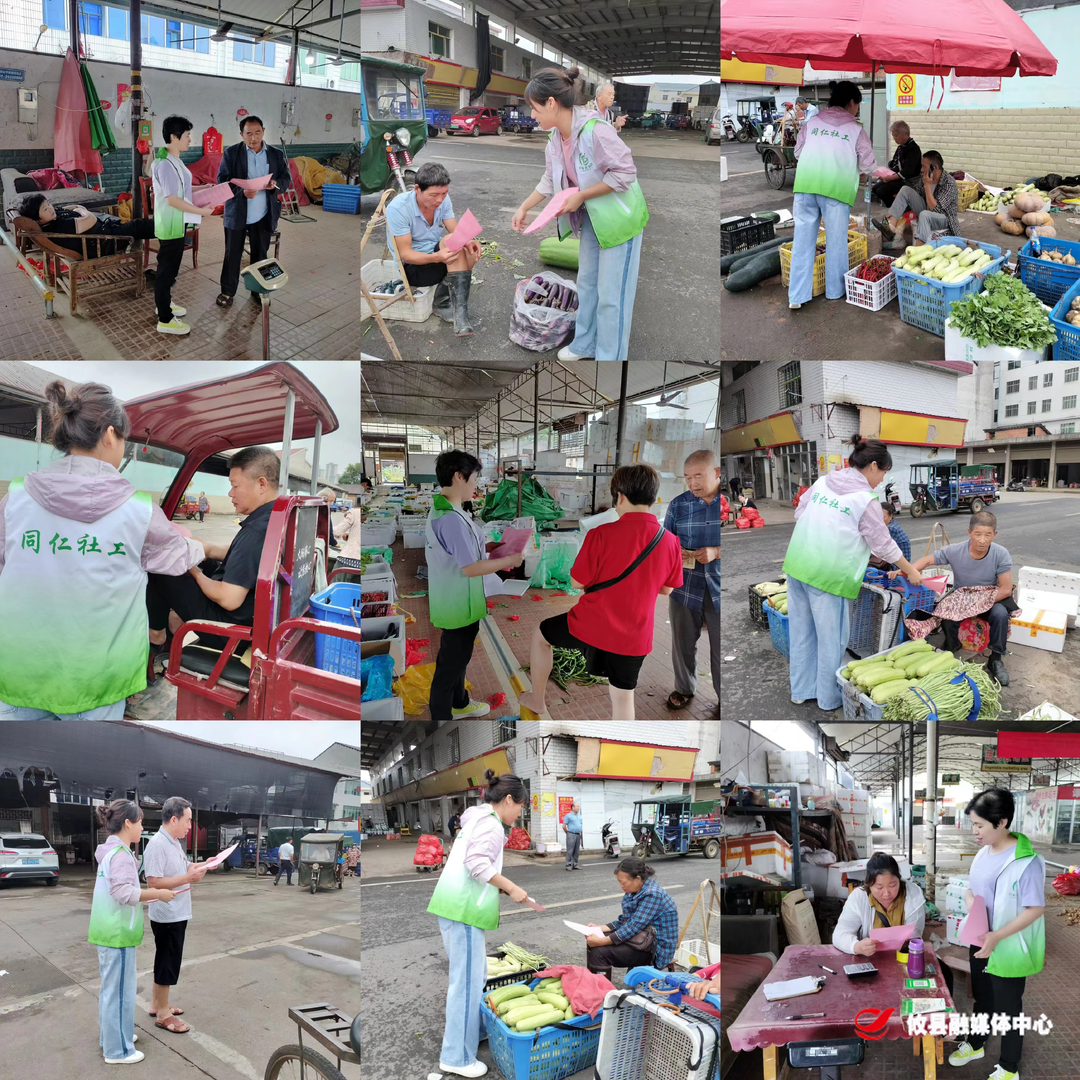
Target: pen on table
<point>803,1016</point>
<point>824,968</point>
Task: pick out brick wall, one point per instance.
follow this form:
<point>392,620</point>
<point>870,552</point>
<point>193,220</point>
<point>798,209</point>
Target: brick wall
<point>1000,146</point>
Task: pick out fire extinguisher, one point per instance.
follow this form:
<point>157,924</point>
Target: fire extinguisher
<point>211,140</point>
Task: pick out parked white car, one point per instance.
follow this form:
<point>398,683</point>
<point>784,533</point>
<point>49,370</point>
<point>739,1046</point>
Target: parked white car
<point>715,132</point>
<point>28,857</point>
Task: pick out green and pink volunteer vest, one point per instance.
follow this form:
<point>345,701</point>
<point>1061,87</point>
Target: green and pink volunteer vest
<point>73,622</point>
<point>117,926</point>
<point>454,600</point>
<point>826,550</point>
<point>458,895</point>
<point>828,161</point>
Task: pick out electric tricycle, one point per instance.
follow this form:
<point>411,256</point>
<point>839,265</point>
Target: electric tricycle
<point>946,485</point>
<point>393,124</point>
<point>676,826</point>
<point>319,861</point>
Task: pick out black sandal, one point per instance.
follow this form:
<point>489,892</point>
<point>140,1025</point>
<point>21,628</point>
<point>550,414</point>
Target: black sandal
<point>223,300</point>
<point>678,701</point>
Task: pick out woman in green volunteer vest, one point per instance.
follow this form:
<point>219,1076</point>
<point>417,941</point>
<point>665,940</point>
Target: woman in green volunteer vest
<point>607,211</point>
<point>1010,879</point>
<point>116,927</point>
<point>838,525</point>
<point>466,900</point>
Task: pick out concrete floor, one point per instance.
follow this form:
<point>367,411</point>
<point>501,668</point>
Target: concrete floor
<point>758,323</point>
<point>252,951</point>
<point>675,310</point>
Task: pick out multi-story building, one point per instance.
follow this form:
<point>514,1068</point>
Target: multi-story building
<point>782,425</point>
<point>347,794</point>
<point>1034,392</point>
<point>436,768</point>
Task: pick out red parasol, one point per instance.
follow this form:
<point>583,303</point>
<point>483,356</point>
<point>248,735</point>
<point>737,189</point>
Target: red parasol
<point>73,145</point>
<point>974,37</point>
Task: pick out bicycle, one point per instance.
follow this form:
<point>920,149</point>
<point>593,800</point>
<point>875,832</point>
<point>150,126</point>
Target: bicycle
<point>325,1024</point>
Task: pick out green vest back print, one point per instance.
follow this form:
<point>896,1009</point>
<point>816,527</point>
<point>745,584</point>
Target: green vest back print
<point>459,896</point>
<point>118,926</point>
<point>825,549</point>
<point>454,600</point>
<point>616,217</point>
<point>75,591</point>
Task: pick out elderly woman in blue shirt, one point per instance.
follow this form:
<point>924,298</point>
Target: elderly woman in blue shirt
<point>694,517</point>
<point>647,931</point>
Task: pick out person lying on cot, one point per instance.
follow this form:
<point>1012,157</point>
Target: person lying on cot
<point>77,219</point>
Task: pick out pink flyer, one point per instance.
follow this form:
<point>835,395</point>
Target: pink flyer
<point>253,185</point>
<point>216,195</point>
<point>552,209</point>
<point>468,228</point>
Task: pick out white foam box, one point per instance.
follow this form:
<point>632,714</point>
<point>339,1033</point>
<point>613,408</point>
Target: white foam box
<point>572,500</point>
<point>1038,628</point>
<point>651,453</point>
<point>862,847</point>
<point>794,767</point>
<point>1056,581</point>
<point>762,853</point>
<point>391,708</point>
<point>954,898</point>
<point>841,873</point>
<point>857,826</point>
<point>1044,600</point>
<point>379,583</point>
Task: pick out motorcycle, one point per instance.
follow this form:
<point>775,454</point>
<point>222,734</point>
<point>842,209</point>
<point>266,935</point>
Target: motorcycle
<point>892,498</point>
<point>403,173</point>
<point>728,127</point>
<point>610,839</point>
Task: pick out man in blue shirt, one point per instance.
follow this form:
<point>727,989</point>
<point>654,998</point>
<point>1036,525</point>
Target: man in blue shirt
<point>250,216</point>
<point>572,827</point>
<point>417,220</point>
<point>694,517</point>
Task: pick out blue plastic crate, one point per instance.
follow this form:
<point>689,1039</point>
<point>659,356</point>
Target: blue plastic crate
<point>1067,346</point>
<point>341,198</point>
<point>548,1054</point>
<point>338,603</point>
<point>1049,280</point>
<point>925,303</point>
<point>778,631</point>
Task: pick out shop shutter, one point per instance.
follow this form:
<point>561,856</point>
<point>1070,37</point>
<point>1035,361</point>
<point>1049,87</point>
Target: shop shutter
<point>438,96</point>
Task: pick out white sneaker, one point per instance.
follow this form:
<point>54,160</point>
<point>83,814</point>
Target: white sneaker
<point>964,1053</point>
<point>474,708</point>
<point>566,354</point>
<point>477,1068</point>
<point>794,307</point>
<point>138,1055</point>
<point>134,1038</point>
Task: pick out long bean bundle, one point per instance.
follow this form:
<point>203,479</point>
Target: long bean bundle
<point>529,961</point>
<point>951,695</point>
<point>568,665</point>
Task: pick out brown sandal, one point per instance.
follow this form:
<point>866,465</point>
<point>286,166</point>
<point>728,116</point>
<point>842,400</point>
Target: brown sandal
<point>176,1012</point>
<point>678,701</point>
<point>170,1024</point>
<point>223,300</point>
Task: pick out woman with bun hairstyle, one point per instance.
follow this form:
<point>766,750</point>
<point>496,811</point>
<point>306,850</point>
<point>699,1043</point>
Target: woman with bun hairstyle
<point>76,543</point>
<point>838,525</point>
<point>607,212</point>
<point>116,927</point>
<point>466,901</point>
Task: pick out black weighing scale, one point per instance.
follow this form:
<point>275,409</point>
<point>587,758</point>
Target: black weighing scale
<point>264,279</point>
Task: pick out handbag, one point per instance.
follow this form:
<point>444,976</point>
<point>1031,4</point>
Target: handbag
<point>632,567</point>
<point>644,940</point>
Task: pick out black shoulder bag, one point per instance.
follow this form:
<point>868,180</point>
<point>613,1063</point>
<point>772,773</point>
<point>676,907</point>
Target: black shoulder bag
<point>631,568</point>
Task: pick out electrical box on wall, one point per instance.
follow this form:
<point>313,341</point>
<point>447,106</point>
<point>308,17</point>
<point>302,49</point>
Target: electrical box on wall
<point>28,104</point>
<point>288,112</point>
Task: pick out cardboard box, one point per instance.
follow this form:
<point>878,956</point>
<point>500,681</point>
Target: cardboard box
<point>1039,628</point>
<point>1056,581</point>
<point>843,872</point>
<point>382,636</point>
<point>763,853</point>
<point>1049,601</point>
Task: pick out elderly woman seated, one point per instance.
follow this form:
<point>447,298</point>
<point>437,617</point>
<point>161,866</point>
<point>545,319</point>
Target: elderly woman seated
<point>79,220</point>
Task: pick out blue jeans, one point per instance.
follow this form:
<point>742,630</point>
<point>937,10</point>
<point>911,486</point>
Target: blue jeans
<point>116,1001</point>
<point>26,712</point>
<point>809,211</point>
<point>466,949</point>
<point>819,626</point>
<point>607,284</point>
<point>286,867</point>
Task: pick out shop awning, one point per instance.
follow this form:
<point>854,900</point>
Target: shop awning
<point>604,759</point>
<point>776,430</point>
<point>1023,744</point>
<point>911,428</point>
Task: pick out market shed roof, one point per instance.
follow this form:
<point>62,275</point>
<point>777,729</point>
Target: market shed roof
<point>118,756</point>
<point>445,396</point>
<point>379,736</point>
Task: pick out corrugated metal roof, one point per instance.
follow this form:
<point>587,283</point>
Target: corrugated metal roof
<point>25,379</point>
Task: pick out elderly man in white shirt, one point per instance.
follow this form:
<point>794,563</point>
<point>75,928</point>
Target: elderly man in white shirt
<point>166,866</point>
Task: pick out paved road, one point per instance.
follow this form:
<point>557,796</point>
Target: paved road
<point>404,981</point>
<point>1037,530</point>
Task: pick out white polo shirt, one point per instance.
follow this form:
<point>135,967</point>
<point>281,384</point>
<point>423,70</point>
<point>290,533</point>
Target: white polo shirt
<point>165,857</point>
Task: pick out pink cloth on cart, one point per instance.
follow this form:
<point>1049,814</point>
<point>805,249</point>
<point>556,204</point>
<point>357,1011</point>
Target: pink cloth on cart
<point>584,989</point>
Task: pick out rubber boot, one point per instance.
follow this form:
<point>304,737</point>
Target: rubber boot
<point>459,282</point>
<point>443,305</point>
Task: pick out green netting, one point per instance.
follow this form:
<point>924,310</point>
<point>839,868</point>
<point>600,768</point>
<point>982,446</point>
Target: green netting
<point>501,504</point>
<point>556,560</point>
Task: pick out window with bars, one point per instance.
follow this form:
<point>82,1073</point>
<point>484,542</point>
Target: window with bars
<point>1048,379</point>
<point>455,747</point>
<point>1013,387</point>
<point>1045,405</point>
<point>1012,410</point>
<point>1030,407</point>
<point>497,55</point>
<point>572,443</point>
<point>526,68</point>
<point>505,731</point>
<point>1033,382</point>
<point>995,416</point>
<point>1069,402</point>
<point>790,376</point>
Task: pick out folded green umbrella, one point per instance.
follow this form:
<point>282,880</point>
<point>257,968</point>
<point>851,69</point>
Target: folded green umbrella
<point>100,128</point>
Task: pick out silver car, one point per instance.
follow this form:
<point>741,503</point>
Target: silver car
<point>715,130</point>
<point>28,857</point>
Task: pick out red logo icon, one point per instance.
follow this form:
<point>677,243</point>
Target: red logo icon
<point>874,1026</point>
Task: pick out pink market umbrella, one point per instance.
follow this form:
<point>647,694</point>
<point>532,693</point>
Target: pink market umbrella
<point>73,144</point>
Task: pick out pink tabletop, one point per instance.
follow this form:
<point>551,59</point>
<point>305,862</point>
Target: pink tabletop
<point>762,1023</point>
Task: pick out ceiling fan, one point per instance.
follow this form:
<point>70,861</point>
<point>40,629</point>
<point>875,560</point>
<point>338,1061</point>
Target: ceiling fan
<point>667,401</point>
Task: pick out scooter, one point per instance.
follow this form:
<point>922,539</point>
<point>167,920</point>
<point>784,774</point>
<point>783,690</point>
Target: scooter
<point>728,127</point>
<point>892,498</point>
<point>610,839</point>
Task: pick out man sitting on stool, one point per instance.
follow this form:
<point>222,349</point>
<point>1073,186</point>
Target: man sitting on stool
<point>416,221</point>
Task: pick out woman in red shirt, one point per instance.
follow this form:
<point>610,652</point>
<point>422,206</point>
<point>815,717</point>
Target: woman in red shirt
<point>612,623</point>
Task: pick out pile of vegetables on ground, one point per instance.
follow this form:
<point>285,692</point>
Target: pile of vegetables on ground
<point>1005,313</point>
<point>874,269</point>
<point>989,202</point>
<point>525,1010</point>
<point>886,680</point>
<point>1025,215</point>
<point>949,264</point>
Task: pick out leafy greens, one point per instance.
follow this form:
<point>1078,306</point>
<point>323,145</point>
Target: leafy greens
<point>1006,313</point>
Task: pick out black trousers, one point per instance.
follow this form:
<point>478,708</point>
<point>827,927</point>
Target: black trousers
<point>201,512</point>
<point>997,994</point>
<point>284,867</point>
<point>622,955</point>
<point>183,595</point>
<point>997,617</point>
<point>259,236</point>
<point>884,191</point>
<point>170,255</point>
<point>448,684</point>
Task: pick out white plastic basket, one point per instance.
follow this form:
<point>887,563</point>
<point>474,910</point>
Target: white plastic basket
<point>414,534</point>
<point>694,952</point>
<point>639,1038</point>
<point>378,272</point>
<point>872,295</point>
<point>377,535</point>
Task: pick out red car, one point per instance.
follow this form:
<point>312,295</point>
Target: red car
<point>475,120</point>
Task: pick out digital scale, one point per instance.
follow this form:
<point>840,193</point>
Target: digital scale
<point>264,279</point>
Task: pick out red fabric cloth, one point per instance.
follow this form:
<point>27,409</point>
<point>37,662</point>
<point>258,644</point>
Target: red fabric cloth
<point>584,989</point>
<point>620,618</point>
<point>73,146</point>
<point>849,35</point>
<point>204,171</point>
<point>298,183</point>
<point>51,179</point>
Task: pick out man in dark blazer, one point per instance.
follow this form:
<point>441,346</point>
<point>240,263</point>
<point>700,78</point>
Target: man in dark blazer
<point>249,214</point>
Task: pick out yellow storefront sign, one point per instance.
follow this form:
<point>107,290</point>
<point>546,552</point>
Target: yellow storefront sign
<point>634,761</point>
<point>777,430</point>
<point>910,429</point>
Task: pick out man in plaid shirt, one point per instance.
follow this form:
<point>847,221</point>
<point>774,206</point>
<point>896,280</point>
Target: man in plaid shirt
<point>933,197</point>
<point>694,517</point>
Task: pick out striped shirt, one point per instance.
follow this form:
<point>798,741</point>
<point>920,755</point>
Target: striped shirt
<point>697,524</point>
